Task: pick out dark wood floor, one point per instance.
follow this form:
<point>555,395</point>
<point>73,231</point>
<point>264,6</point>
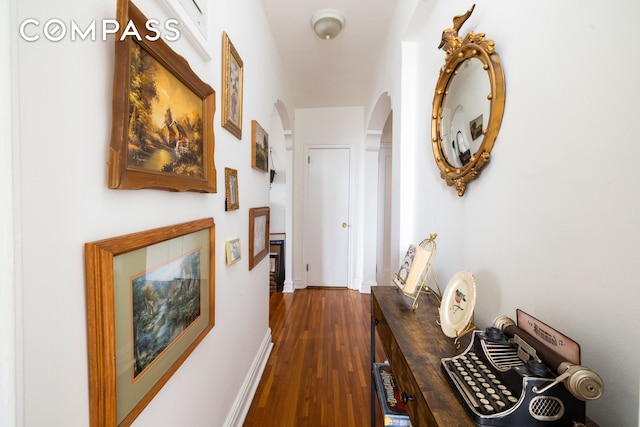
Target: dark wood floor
<point>318,373</point>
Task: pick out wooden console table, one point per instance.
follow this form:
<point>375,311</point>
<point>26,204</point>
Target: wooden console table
<point>414,345</point>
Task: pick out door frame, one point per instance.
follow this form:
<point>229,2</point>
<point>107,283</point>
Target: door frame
<point>350,226</point>
<point>383,248</point>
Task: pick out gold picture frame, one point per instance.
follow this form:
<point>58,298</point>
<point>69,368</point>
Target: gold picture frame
<point>232,202</point>
<point>162,126</point>
<point>258,235</point>
<point>234,253</point>
<point>232,76</point>
<point>135,282</point>
<point>259,147</point>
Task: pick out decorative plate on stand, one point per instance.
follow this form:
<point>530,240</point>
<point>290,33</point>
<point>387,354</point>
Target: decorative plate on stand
<point>458,303</point>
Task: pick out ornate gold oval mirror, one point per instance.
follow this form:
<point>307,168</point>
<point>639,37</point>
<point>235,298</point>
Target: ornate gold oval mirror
<point>467,106</point>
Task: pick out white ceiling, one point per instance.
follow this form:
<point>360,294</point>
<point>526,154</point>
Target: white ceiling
<point>330,73</point>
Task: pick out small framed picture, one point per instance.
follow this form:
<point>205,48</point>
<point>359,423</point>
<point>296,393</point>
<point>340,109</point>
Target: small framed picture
<point>258,235</point>
<point>259,147</point>
<point>232,73</point>
<point>231,189</point>
<point>475,127</point>
<point>233,251</point>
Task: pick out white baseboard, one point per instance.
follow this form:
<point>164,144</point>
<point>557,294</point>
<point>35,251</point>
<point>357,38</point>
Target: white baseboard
<point>288,287</point>
<point>366,287</point>
<point>243,401</point>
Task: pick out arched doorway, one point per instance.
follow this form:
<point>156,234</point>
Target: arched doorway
<point>378,168</point>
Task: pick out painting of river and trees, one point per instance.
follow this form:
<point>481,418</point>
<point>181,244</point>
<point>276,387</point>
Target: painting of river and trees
<point>165,302</point>
<point>165,128</point>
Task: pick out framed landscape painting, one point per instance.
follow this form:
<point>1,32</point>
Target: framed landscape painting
<point>150,302</point>
<point>232,76</point>
<point>259,147</point>
<point>162,125</point>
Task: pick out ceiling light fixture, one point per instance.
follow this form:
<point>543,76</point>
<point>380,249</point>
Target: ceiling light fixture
<point>327,23</point>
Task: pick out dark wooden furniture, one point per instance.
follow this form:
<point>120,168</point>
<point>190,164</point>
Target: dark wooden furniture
<point>276,256</point>
<point>414,345</point>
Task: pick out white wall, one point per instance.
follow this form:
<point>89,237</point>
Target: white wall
<point>64,121</point>
<point>9,293</point>
<point>550,226</point>
<point>278,162</point>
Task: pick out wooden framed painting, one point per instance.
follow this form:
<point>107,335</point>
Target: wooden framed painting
<point>258,235</point>
<point>231,189</point>
<point>232,74</point>
<point>259,147</point>
<point>162,130</point>
<point>233,251</point>
<point>150,302</point>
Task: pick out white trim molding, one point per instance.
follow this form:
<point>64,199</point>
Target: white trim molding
<point>243,401</point>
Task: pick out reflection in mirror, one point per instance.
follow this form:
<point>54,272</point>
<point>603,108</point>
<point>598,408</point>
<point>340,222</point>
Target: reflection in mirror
<point>468,105</point>
<point>465,107</point>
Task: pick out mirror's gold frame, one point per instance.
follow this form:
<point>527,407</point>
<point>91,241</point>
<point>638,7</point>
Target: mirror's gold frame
<point>458,50</point>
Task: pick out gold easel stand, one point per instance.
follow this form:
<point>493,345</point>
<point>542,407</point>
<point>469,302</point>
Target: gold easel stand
<point>468,329</point>
<point>429,245</point>
<point>459,334</point>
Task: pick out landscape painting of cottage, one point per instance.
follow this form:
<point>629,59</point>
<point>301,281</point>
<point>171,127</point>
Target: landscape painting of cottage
<point>162,130</point>
<point>165,302</point>
<point>165,122</point>
<point>150,302</point>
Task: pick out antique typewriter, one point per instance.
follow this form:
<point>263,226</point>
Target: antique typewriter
<point>510,376</point>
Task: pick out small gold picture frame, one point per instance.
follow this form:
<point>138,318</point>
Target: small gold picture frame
<point>232,201</point>
<point>232,74</point>
<point>233,251</point>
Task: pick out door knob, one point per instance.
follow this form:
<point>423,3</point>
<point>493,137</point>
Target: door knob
<point>344,225</point>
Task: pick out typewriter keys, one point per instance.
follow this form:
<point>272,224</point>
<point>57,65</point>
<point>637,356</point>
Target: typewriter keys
<point>486,392</point>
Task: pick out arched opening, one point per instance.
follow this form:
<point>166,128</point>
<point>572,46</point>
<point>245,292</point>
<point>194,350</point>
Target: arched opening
<point>281,189</point>
<point>376,240</point>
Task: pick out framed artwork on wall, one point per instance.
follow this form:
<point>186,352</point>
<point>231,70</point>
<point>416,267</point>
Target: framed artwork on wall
<point>193,16</point>
<point>233,251</point>
<point>232,75</point>
<point>258,235</point>
<point>162,129</point>
<point>259,147</point>
<point>231,189</point>
<point>475,127</point>
<point>150,302</point>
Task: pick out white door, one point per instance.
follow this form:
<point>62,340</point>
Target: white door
<point>327,217</point>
